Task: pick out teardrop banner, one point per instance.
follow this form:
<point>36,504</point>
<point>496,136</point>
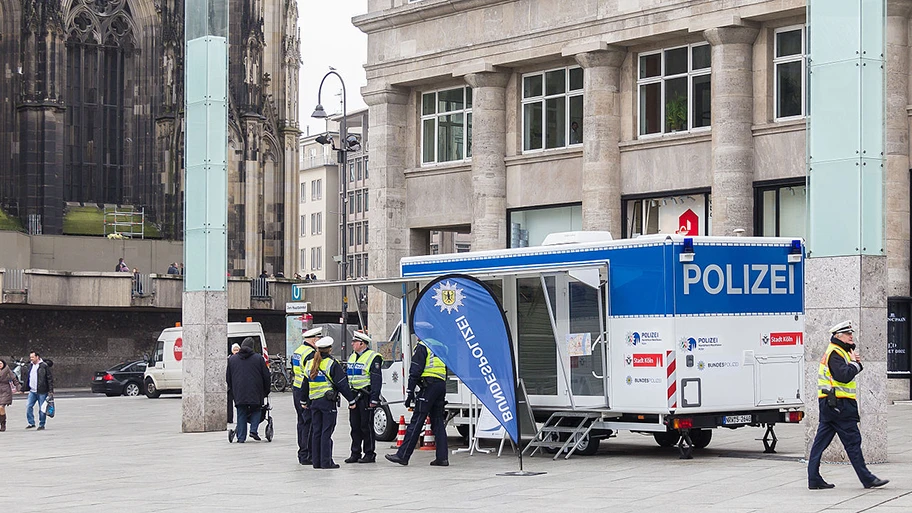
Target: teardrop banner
<point>461,321</point>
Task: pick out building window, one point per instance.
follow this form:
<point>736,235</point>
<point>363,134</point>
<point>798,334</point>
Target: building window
<point>358,233</point>
<point>789,82</point>
<point>316,258</point>
<point>446,125</point>
<point>351,203</point>
<point>358,259</point>
<point>680,212</point>
<point>303,226</point>
<point>530,226</point>
<point>463,248</point>
<point>674,89</point>
<point>365,232</point>
<point>303,258</point>
<point>351,234</point>
<point>316,190</point>
<point>365,168</point>
<point>552,108</point>
<point>304,192</point>
<point>358,199</point>
<point>780,208</point>
<point>316,223</point>
<point>435,249</point>
<point>358,168</point>
<point>351,170</point>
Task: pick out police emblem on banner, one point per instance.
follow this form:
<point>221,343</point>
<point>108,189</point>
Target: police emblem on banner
<point>448,297</point>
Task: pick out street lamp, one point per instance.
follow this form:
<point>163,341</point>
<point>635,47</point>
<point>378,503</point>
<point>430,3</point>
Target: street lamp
<point>349,143</point>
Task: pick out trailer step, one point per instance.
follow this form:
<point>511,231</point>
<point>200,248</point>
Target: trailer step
<point>575,424</point>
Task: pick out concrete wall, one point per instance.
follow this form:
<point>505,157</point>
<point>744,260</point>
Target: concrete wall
<point>74,253</point>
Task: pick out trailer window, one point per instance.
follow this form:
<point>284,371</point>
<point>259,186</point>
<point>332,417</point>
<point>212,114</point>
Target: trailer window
<point>537,352</point>
<point>584,318</point>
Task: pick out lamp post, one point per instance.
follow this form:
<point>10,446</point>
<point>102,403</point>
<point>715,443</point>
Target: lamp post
<point>347,144</point>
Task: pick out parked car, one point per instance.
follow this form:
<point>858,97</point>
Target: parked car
<point>125,378</point>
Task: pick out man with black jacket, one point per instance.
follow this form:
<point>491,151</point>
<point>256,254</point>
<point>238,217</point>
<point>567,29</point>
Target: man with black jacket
<point>838,403</point>
<point>40,385</point>
<point>248,379</point>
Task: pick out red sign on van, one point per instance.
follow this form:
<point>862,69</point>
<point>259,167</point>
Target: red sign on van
<point>786,339</point>
<point>178,349</point>
<point>647,360</point>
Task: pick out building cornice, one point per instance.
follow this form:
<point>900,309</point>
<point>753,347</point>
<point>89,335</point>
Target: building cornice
<point>780,127</point>
<point>544,156</point>
<point>438,169</point>
<point>666,140</point>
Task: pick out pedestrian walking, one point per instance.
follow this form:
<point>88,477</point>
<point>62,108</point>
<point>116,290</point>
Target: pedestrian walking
<point>9,385</point>
<point>838,402</point>
<point>429,373</point>
<point>299,358</point>
<point>325,382</point>
<point>40,385</point>
<point>172,268</point>
<point>248,379</point>
<point>366,380</point>
<point>121,266</point>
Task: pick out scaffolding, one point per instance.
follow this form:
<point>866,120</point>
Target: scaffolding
<point>124,221</point>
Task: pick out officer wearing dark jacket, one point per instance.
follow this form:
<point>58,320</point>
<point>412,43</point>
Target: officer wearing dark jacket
<point>299,358</point>
<point>429,372</point>
<point>325,380</point>
<point>366,380</point>
<point>838,402</point>
<point>248,379</point>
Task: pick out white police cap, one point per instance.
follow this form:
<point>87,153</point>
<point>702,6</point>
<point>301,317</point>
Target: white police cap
<point>325,342</point>
<point>361,336</point>
<point>313,332</point>
<point>843,327</point>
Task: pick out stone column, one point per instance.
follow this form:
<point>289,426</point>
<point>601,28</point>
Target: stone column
<point>732,140</point>
<point>389,235</point>
<point>897,149</point>
<point>489,171</point>
<point>601,135</point>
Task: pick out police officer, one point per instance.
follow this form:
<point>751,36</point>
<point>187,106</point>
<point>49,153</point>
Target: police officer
<point>837,399</point>
<point>303,353</point>
<point>366,380</point>
<point>324,381</point>
<point>430,372</point>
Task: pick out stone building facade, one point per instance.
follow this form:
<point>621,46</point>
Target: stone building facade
<point>92,98</point>
<point>510,119</point>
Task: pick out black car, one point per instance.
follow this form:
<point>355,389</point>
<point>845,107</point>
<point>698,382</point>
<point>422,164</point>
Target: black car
<point>122,379</point>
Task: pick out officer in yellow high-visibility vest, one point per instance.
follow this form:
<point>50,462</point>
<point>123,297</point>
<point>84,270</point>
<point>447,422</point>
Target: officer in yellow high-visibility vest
<point>838,401</point>
<point>428,371</point>
<point>325,382</point>
<point>366,380</point>
<point>300,356</point>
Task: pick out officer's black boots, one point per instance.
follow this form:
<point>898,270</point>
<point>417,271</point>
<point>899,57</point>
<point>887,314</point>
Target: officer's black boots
<point>440,463</point>
<point>353,458</point>
<point>877,483</point>
<point>396,459</point>
<point>823,485</point>
<point>368,458</point>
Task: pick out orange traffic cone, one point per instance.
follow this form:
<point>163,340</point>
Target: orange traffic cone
<point>401,435</point>
<point>429,444</point>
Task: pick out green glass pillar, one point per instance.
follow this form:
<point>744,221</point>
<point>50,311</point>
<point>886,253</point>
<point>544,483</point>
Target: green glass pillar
<point>846,268</point>
<point>205,299</point>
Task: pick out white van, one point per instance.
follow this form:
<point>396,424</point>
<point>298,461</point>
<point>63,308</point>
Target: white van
<point>164,373</point>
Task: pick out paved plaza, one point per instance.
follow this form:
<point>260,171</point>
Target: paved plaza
<point>128,454</point>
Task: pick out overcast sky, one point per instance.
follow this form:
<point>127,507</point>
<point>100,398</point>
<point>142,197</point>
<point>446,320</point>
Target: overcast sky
<point>328,38</point>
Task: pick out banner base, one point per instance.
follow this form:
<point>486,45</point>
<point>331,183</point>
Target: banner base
<point>521,473</point>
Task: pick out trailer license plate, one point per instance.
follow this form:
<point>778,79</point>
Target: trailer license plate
<point>736,419</point>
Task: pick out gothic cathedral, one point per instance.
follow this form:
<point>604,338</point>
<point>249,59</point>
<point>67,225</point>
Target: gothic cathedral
<point>92,114</point>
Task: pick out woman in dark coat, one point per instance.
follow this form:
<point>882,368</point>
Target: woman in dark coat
<point>248,380</point>
<point>7,381</point>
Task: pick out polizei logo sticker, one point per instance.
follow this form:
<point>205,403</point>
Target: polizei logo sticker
<point>698,343</point>
<point>636,338</point>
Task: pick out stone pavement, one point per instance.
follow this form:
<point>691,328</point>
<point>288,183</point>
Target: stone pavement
<point>128,454</point>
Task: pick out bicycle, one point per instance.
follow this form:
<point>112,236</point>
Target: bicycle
<point>279,377</point>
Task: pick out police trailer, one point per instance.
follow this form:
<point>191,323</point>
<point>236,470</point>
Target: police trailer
<point>664,334</point>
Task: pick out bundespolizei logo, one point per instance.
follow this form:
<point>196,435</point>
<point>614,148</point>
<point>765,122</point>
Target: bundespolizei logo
<point>448,297</point>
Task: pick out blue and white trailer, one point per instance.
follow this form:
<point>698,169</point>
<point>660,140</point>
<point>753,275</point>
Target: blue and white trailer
<point>662,334</point>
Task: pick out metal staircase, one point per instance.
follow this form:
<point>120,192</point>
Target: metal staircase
<point>562,431</point>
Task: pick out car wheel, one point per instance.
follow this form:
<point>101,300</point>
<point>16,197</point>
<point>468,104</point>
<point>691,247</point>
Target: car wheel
<point>701,437</point>
<point>384,427</point>
<point>587,445</point>
<point>132,389</point>
<point>668,438</point>
<point>463,431</point>
<point>150,390</point>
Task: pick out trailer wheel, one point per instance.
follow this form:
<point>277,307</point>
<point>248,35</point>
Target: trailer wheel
<point>668,438</point>
<point>701,437</point>
<point>587,446</point>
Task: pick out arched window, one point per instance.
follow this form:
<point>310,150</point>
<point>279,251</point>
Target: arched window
<point>100,45</point>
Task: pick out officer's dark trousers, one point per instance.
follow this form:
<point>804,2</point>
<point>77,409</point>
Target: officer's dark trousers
<point>324,423</point>
<point>304,421</point>
<point>360,419</point>
<point>845,424</point>
<point>430,402</point>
